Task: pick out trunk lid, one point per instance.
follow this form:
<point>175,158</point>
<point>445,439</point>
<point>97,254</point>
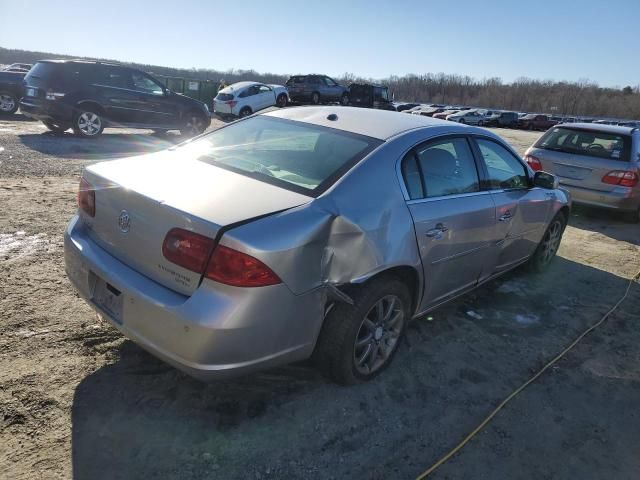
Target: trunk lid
<point>579,170</point>
<point>138,200</point>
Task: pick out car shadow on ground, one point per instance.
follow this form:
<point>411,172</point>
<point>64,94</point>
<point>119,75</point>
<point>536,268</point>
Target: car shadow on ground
<point>16,117</point>
<point>106,146</point>
<point>610,223</point>
<point>138,417</point>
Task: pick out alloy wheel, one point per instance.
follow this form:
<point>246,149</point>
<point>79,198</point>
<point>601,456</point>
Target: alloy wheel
<point>195,125</point>
<point>551,241</point>
<point>378,334</point>
<point>7,103</point>
<point>89,123</point>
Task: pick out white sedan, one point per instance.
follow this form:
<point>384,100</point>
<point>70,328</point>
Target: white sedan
<point>244,98</point>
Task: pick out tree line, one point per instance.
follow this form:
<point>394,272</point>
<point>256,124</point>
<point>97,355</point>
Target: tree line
<point>582,98</point>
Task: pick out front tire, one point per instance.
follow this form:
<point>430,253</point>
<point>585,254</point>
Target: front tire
<point>8,104</point>
<point>195,124</point>
<point>549,244</point>
<point>358,341</point>
<point>481,123</point>
<point>88,123</point>
<point>344,100</point>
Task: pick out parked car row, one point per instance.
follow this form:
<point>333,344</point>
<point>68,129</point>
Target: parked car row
<point>88,96</point>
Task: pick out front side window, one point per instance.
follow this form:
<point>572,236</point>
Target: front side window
<point>298,156</point>
<point>329,82</point>
<point>504,169</point>
<point>591,143</point>
<point>142,83</point>
<point>264,89</point>
<point>444,167</point>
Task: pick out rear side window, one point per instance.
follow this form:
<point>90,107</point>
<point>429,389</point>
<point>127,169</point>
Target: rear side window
<point>587,142</point>
<point>440,168</point>
<point>504,169</point>
<point>298,156</point>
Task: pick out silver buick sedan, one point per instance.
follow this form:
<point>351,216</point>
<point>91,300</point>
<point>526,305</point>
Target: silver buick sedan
<point>306,232</point>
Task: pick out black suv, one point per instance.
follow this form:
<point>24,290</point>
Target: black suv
<point>370,96</point>
<point>316,89</point>
<point>89,96</point>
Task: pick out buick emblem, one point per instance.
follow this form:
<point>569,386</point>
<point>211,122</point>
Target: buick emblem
<point>124,221</point>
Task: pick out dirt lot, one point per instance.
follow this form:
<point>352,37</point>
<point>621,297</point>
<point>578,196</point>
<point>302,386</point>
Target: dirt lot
<point>79,401</point>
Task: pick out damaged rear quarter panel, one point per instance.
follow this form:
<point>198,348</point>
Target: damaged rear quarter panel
<point>359,227</point>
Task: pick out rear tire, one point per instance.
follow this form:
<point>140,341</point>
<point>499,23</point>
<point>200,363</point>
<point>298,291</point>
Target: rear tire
<point>633,217</point>
<point>281,101</point>
<point>245,112</point>
<point>315,98</point>
<point>8,104</point>
<point>357,342</point>
<point>548,246</point>
<point>481,123</point>
<point>88,123</point>
<point>462,121</point>
<point>55,128</point>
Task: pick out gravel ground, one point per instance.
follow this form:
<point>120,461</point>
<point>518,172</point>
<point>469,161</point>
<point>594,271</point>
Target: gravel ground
<point>80,401</point>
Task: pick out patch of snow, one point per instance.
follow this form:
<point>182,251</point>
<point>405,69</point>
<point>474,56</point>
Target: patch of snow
<point>18,244</point>
<point>527,319</point>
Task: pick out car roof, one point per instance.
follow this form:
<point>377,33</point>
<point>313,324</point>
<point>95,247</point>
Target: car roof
<point>239,85</point>
<point>380,124</point>
<point>600,127</point>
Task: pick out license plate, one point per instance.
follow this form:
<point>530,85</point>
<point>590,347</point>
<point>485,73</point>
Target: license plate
<point>31,92</point>
<point>109,299</point>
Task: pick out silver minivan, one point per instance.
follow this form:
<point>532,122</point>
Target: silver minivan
<point>598,164</point>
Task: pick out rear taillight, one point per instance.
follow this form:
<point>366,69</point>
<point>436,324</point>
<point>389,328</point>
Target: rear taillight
<point>187,249</point>
<point>51,95</point>
<point>624,178</point>
<point>534,162</point>
<point>226,265</point>
<point>232,103</point>
<point>87,198</point>
<point>239,269</point>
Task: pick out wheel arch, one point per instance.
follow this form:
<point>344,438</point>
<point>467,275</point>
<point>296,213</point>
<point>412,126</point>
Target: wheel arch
<point>88,104</point>
<point>407,274</point>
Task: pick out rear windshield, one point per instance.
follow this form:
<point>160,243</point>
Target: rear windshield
<point>298,156</point>
<point>297,79</point>
<point>224,97</point>
<point>43,70</point>
<point>587,142</point>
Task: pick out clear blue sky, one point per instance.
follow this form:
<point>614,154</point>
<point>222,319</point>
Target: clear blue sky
<point>545,39</point>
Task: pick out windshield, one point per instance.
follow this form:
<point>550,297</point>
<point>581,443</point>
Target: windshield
<point>299,156</point>
<point>587,142</point>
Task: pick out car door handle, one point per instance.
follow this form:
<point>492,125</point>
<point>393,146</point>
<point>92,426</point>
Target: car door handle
<point>506,217</point>
<point>437,231</point>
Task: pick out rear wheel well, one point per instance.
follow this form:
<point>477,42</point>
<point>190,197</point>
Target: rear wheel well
<point>405,273</point>
<point>93,106</point>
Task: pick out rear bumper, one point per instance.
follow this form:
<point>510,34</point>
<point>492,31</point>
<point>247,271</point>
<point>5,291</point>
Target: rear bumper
<point>46,110</point>
<point>621,198</point>
<point>217,332</point>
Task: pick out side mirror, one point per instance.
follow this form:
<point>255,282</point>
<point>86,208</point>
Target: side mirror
<point>166,91</point>
<point>545,180</point>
